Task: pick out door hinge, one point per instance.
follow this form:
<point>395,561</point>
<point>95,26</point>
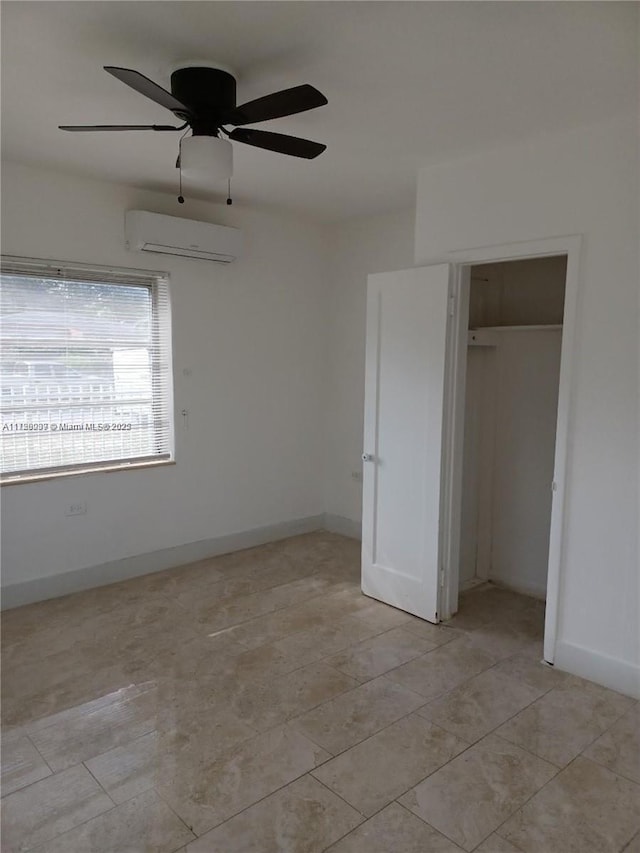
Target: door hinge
<point>442,578</point>
<point>452,305</point>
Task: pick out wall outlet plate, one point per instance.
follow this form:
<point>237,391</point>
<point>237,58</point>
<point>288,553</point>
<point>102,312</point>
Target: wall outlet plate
<point>76,508</point>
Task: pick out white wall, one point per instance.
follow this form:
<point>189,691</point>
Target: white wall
<point>528,373</point>
<point>253,335</point>
<point>275,431</point>
<point>359,247</point>
<point>583,181</point>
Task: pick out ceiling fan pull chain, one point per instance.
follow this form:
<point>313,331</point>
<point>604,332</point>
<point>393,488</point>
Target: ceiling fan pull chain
<point>180,197</point>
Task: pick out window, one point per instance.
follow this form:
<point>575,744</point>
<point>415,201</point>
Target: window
<point>85,368</point>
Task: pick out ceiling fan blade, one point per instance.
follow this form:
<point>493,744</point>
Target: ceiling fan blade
<point>148,88</point>
<point>76,128</point>
<point>279,104</point>
<point>291,145</point>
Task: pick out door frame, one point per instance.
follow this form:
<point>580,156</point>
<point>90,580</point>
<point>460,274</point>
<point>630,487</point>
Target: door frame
<point>454,404</point>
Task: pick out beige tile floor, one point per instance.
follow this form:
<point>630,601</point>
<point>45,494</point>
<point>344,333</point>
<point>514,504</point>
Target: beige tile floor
<point>259,703</point>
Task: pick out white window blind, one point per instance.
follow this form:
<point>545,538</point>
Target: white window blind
<point>85,368</point>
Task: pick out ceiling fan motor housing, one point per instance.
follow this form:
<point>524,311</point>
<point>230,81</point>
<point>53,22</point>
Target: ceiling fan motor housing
<point>207,92</point>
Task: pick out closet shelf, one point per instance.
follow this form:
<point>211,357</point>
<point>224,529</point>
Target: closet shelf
<point>515,328</point>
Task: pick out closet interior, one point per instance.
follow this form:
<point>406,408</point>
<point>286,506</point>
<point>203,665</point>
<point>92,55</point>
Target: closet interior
<point>511,401</point>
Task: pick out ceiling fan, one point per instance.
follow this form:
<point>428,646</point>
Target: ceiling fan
<point>203,98</point>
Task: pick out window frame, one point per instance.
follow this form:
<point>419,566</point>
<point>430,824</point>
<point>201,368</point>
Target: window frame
<point>158,284</point>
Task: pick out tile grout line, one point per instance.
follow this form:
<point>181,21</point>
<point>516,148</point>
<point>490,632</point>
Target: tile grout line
<point>351,690</point>
<point>231,598</point>
<point>357,743</point>
<point>272,642</point>
<point>268,612</point>
<point>215,557</point>
<point>340,797</point>
<point>327,657</point>
<point>558,767</point>
<point>52,776</point>
<point>528,800</point>
<point>615,772</point>
<point>617,720</point>
<point>426,822</point>
<point>82,822</point>
<point>161,796</point>
<point>278,610</point>
<point>288,720</point>
<point>553,778</point>
<point>39,753</point>
<point>204,585</point>
<point>502,722</point>
<point>561,767</point>
<point>97,781</point>
<point>471,746</point>
<point>245,808</point>
<point>120,746</point>
<point>396,799</point>
<point>627,846</point>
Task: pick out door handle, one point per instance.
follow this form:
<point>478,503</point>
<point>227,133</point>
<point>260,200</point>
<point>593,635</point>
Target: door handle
<point>367,457</point>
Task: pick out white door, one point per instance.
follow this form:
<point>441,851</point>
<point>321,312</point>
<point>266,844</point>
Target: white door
<point>407,315</point>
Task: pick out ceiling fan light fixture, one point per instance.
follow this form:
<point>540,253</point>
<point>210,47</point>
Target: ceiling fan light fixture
<point>206,157</point>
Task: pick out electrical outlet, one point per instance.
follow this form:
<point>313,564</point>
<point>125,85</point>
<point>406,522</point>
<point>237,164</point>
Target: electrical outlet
<point>357,476</point>
<point>77,508</point>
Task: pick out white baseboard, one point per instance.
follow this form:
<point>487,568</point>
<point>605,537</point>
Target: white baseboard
<point>614,673</point>
<point>53,586</point>
<point>344,526</point>
<point>524,588</point>
<point>472,583</point>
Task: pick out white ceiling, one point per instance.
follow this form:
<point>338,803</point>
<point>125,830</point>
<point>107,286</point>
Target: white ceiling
<point>408,83</point>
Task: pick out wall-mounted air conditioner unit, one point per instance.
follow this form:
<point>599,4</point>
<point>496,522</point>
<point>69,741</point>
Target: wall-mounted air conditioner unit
<point>171,235</point>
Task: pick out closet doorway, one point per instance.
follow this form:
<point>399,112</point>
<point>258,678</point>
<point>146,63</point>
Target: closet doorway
<point>527,488</point>
<point>514,346</point>
<point>430,523</point>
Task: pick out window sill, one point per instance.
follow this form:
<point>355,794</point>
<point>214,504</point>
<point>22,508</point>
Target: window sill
<point>93,469</point>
